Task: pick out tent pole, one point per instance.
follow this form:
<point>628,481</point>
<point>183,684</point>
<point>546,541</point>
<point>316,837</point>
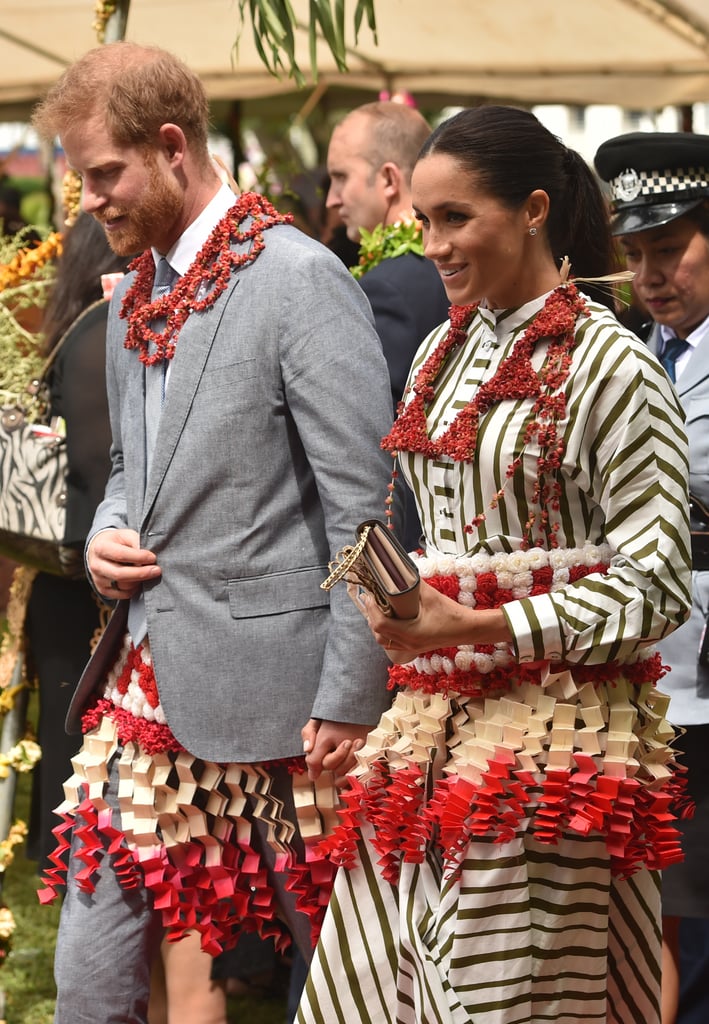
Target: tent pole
<point>116,25</point>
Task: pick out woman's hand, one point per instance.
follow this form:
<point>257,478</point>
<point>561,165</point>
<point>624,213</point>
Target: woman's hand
<point>441,622</point>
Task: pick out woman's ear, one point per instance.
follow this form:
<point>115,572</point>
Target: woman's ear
<point>537,209</point>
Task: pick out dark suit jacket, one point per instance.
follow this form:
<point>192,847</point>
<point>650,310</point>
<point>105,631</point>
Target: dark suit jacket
<point>408,300</point>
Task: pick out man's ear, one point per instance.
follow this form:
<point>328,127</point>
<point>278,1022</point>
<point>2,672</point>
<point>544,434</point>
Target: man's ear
<point>173,143</point>
<point>392,179</point>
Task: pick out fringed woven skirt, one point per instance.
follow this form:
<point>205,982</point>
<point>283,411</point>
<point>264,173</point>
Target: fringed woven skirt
<point>503,833</point>
<point>187,828</point>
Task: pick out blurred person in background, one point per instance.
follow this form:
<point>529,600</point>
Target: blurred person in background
<point>11,219</point>
<point>64,614</point>
<point>659,186</point>
<point>370,158</point>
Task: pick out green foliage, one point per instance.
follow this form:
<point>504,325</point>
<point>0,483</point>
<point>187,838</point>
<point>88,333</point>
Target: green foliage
<point>36,208</point>
<point>26,276</point>
<point>274,27</point>
<point>26,977</point>
<point>386,242</point>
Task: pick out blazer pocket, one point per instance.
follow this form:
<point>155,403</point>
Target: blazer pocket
<point>278,592</point>
<point>229,376</point>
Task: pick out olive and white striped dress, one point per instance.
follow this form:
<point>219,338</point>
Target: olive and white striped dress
<point>506,825</point>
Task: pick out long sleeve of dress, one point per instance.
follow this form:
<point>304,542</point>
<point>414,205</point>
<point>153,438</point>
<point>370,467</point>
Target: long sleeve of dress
<point>623,483</point>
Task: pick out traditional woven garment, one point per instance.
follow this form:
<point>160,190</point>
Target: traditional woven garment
<point>505,824</point>
<point>186,825</point>
<point>492,796</point>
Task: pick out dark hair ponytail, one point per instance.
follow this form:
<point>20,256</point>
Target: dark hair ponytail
<point>86,255</point>
<point>581,227</point>
<point>511,154</point>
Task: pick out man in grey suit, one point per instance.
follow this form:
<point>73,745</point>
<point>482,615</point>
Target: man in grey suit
<point>246,405</point>
<point>659,185</point>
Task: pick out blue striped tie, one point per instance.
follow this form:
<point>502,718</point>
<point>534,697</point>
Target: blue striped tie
<point>165,278</point>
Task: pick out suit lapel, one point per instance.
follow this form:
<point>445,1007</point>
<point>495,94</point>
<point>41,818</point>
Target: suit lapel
<point>697,369</point>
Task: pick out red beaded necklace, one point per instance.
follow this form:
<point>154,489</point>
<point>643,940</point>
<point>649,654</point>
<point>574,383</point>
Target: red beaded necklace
<point>210,271</point>
<point>515,378</point>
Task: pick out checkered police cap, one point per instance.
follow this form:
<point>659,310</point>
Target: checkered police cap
<point>654,177</point>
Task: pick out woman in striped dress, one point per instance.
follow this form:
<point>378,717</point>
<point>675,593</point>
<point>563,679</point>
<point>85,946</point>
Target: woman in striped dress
<point>502,836</point>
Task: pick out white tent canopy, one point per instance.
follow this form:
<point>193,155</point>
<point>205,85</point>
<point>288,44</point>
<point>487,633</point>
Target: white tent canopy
<point>634,53</point>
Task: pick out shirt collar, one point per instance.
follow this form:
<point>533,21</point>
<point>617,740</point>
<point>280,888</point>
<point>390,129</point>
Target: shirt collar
<point>697,335</point>
<point>183,253</point>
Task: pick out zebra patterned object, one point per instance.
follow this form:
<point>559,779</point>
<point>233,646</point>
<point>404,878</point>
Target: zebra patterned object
<point>33,468</point>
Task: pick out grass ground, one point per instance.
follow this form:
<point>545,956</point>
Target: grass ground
<point>26,981</point>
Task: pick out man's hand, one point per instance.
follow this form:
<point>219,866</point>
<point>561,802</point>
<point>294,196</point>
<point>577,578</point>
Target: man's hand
<point>331,746</point>
<point>118,565</point>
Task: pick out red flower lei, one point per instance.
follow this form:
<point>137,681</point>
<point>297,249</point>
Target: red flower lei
<point>211,269</point>
<point>515,378</point>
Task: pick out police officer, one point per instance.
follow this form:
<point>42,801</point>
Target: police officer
<point>659,185</point>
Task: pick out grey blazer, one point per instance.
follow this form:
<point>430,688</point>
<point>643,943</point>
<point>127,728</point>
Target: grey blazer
<point>267,457</point>
<point>688,681</point>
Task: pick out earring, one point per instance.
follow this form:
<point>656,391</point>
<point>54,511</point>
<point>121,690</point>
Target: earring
<point>532,231</point>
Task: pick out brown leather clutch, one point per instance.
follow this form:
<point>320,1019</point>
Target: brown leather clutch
<point>380,564</point>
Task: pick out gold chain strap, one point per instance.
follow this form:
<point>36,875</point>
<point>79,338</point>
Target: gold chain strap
<point>345,561</point>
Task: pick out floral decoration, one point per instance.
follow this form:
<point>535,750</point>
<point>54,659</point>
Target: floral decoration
<point>16,835</point>
<point>539,760</point>
<point>26,275</point>
<point>208,276</point>
<point>71,196</point>
<point>20,758</point>
<point>131,685</point>
<point>7,928</point>
<point>490,581</point>
<point>103,10</point>
<point>515,378</point>
<point>27,263</point>
<point>387,241</point>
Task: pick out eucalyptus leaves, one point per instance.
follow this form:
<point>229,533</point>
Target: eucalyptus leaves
<point>275,27</point>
